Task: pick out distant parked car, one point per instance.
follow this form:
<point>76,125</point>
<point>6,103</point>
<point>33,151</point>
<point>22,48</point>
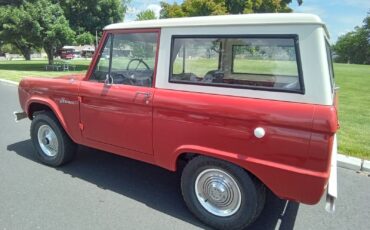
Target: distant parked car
<point>76,54</point>
<point>66,53</point>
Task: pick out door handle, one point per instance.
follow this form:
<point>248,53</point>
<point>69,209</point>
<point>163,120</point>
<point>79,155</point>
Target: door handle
<point>144,95</point>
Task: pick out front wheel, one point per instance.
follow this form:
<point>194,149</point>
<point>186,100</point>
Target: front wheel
<point>53,145</point>
<point>221,194</point>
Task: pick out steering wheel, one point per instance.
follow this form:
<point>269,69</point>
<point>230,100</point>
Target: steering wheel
<point>122,79</point>
<point>138,60</point>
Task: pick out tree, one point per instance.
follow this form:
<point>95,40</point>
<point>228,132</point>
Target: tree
<point>18,28</point>
<point>93,15</point>
<point>354,46</point>
<point>191,8</point>
<point>204,7</point>
<point>171,11</point>
<point>146,15</point>
<point>85,38</point>
<point>50,29</point>
<point>10,2</point>
<point>9,48</point>
<point>35,24</point>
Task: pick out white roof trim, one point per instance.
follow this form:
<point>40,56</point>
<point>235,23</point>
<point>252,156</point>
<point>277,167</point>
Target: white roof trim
<point>241,19</point>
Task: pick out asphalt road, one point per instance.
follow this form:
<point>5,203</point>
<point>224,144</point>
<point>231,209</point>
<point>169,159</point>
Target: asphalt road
<point>104,191</point>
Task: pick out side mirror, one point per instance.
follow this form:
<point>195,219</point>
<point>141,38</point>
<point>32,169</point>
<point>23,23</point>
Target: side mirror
<point>108,79</point>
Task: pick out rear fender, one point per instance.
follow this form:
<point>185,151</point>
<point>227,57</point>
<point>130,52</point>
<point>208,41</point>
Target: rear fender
<point>232,157</point>
<point>283,180</point>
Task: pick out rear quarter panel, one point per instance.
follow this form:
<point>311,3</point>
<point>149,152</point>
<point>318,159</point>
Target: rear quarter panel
<point>223,127</point>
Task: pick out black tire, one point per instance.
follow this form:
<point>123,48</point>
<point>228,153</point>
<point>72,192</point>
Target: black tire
<point>252,194</point>
<point>66,149</point>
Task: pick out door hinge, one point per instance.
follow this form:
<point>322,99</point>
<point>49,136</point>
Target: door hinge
<point>81,126</point>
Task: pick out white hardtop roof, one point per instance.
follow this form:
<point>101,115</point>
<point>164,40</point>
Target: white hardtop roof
<point>241,19</point>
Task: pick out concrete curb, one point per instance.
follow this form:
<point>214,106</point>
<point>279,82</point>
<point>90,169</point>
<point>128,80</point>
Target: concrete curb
<point>344,161</point>
<point>366,166</point>
<point>353,163</point>
<point>9,82</point>
<point>349,162</point>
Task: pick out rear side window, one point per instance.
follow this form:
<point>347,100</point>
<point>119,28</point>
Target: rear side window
<point>266,62</point>
<point>330,64</point>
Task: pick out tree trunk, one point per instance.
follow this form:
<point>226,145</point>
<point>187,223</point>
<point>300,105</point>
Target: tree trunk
<point>26,51</point>
<point>50,53</point>
<point>27,55</point>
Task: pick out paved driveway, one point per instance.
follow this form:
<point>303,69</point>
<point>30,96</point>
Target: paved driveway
<point>104,191</point>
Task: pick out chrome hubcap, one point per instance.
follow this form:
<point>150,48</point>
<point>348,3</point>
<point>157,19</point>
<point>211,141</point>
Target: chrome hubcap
<point>218,192</point>
<point>47,140</point>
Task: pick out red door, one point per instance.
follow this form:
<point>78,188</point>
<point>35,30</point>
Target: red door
<point>118,115</point>
<point>116,98</point>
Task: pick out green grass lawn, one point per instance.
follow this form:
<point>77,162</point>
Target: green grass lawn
<point>354,97</point>
<point>354,109</point>
<point>201,66</point>
<point>17,69</point>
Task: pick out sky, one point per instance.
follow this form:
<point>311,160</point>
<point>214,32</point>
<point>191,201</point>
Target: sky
<point>340,16</point>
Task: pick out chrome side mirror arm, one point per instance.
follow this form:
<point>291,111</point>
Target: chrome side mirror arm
<point>108,79</point>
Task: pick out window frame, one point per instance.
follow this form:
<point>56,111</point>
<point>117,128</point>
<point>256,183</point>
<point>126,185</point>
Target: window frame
<point>295,38</point>
<point>97,56</point>
<point>103,41</point>
<point>329,58</point>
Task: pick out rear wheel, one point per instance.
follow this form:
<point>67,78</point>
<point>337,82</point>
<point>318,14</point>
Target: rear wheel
<point>53,146</point>
<point>221,194</point>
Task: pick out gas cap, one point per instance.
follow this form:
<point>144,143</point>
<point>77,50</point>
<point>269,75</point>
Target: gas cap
<point>259,132</point>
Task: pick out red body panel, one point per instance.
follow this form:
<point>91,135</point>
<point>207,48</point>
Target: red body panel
<point>50,92</point>
<point>222,127</point>
<point>119,115</point>
<point>157,126</point>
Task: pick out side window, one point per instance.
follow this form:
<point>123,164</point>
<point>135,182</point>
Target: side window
<point>265,57</point>
<point>102,67</point>
<point>265,63</point>
<point>196,57</point>
<point>103,64</point>
<point>330,64</point>
<point>130,58</point>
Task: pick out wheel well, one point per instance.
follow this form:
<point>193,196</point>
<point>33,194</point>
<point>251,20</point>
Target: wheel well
<point>184,158</point>
<point>37,107</point>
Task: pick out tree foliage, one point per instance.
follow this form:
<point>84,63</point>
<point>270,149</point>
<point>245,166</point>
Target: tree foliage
<point>204,7</point>
<point>52,27</point>
<point>93,15</point>
<point>171,11</point>
<point>10,2</point>
<point>354,46</point>
<point>18,28</point>
<point>85,38</point>
<point>9,48</point>
<point>191,8</point>
<point>50,24</point>
<point>146,15</point>
<point>35,24</point>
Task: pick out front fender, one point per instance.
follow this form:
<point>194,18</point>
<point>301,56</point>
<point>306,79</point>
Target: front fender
<point>51,105</point>
<point>47,102</point>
